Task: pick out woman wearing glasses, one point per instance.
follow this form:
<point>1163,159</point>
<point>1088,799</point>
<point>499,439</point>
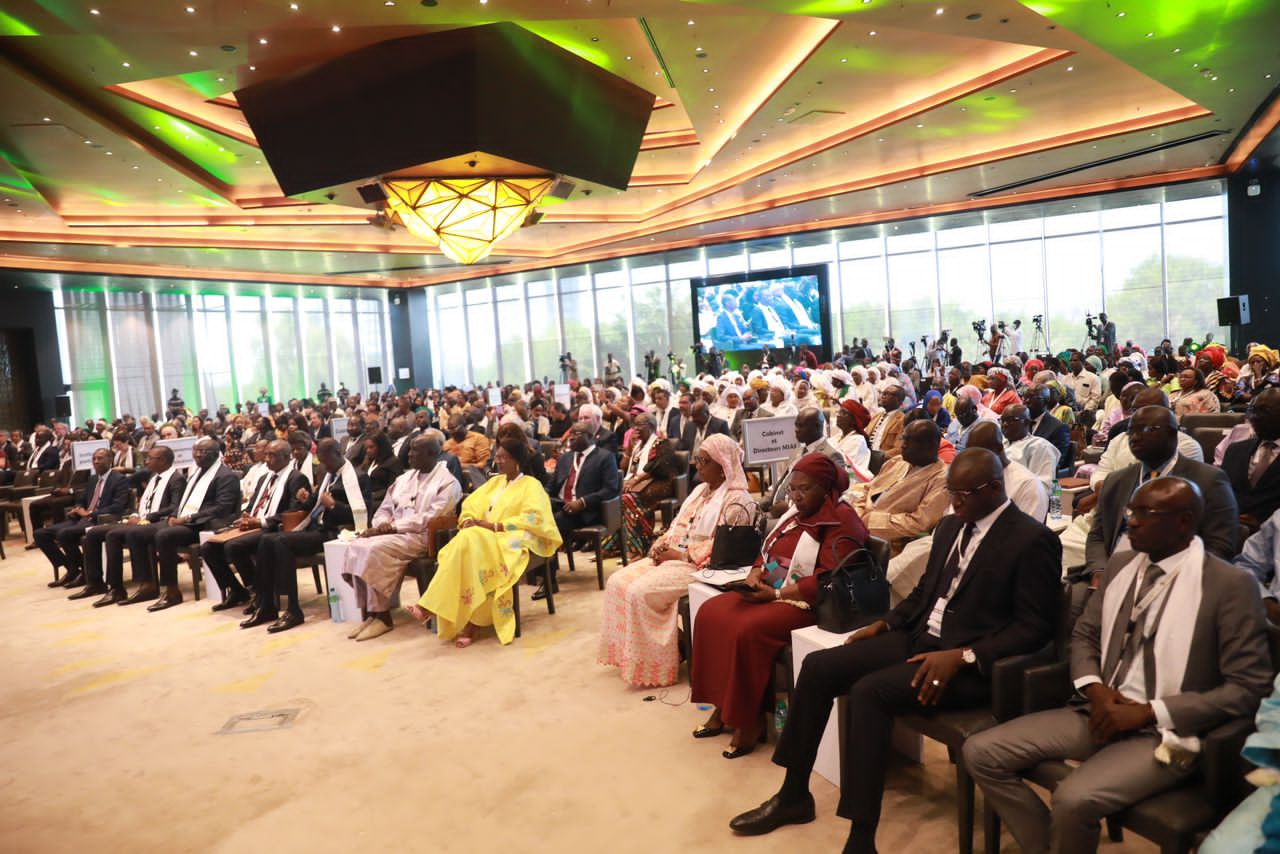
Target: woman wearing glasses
<point>638,634</point>
<point>739,634</point>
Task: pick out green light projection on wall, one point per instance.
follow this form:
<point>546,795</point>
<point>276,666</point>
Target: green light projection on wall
<point>11,26</point>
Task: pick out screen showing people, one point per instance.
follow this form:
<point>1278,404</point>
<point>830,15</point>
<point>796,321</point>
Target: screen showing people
<point>782,312</point>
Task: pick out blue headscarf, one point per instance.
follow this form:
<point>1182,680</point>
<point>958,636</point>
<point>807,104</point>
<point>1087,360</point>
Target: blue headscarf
<point>943,418</point>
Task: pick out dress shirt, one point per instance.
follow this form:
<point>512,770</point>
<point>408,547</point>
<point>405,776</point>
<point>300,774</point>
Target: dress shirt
<point>980,528</point>
<point>1118,456</point>
<point>1037,454</point>
<point>1261,556</point>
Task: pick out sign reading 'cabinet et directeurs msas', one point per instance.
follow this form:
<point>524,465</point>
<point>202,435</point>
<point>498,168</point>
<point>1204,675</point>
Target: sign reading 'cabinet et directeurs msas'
<point>769,440</point>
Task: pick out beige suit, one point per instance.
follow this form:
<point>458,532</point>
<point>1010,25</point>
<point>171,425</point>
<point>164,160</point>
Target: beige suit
<point>891,437</point>
<point>902,502</point>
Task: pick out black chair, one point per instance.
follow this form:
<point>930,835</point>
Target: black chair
<point>1208,439</point>
<point>475,477</point>
<point>1223,421</point>
<point>876,462</point>
<point>1175,820</point>
<point>595,535</point>
<point>668,507</point>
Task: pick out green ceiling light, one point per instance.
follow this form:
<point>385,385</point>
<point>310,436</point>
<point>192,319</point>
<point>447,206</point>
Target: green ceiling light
<point>11,26</point>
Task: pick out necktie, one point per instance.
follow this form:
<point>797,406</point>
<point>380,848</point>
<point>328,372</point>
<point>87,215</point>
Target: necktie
<point>266,494</point>
<point>97,494</point>
<point>1262,460</point>
<point>572,478</point>
<point>191,488</point>
<point>952,569</point>
<point>1134,646</point>
<point>149,496</point>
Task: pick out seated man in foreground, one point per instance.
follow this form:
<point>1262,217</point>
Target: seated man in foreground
<point>1172,644</point>
<point>376,560</point>
<point>990,591</point>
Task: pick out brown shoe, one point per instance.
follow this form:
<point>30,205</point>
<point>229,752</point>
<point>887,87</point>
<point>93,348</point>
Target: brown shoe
<point>112,597</point>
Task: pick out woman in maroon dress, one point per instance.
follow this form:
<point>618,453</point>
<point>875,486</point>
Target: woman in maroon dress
<point>738,634</point>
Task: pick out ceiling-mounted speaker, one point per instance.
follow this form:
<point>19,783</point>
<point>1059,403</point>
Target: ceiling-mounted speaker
<point>562,189</point>
<point>533,218</point>
<point>371,194</point>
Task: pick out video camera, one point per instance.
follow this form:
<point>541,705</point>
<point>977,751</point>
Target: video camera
<point>980,327</point>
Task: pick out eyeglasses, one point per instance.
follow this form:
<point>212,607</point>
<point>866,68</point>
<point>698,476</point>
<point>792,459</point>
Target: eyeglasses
<point>1143,513</point>
<point>966,493</point>
<point>1147,428</point>
<point>700,460</point>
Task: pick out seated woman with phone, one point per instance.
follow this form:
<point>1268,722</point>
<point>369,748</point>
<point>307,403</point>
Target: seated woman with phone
<point>738,634</point>
<point>638,633</point>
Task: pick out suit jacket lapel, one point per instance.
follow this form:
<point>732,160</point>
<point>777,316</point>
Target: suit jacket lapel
<point>991,541</point>
<point>1130,483</point>
<point>1117,634</point>
<point>926,604</point>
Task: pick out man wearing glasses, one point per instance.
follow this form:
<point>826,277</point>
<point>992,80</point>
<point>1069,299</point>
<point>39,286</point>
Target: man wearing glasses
<point>1037,454</point>
<point>1253,464</point>
<point>1153,441</point>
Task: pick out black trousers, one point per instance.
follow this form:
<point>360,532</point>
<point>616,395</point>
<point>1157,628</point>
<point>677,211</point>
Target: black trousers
<point>876,679</point>
<point>141,542</point>
<point>61,543</point>
<point>240,552</point>
<point>167,542</point>
<point>277,573</point>
<point>94,539</point>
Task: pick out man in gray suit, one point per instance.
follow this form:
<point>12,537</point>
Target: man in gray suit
<point>1148,687</point>
<point>1153,440</point>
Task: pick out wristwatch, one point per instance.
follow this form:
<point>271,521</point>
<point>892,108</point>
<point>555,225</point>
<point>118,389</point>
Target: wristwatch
<point>968,656</point>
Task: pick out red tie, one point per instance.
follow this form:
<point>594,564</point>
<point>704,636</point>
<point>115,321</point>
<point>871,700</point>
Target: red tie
<point>97,495</point>
<point>573,477</point>
<point>266,493</point>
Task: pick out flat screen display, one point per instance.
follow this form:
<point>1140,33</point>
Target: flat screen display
<point>744,315</point>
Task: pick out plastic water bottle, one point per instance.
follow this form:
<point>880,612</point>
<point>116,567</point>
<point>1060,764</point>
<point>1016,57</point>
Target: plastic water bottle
<point>780,713</point>
<point>1055,501</point>
<point>335,604</point>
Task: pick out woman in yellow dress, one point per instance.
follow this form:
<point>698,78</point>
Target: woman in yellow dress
<point>499,525</point>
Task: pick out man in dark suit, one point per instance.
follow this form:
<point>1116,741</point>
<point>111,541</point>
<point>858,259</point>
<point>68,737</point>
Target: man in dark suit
<point>700,425</point>
<point>665,412</point>
<point>1153,439</point>
<point>353,442</point>
<point>1172,644</point>
<point>44,452</point>
<point>585,478</point>
<point>1253,465</point>
<point>601,436</point>
<point>106,493</point>
<point>990,590</point>
<point>731,331</point>
<point>275,493</point>
<point>1044,425</point>
<point>159,498</point>
<point>210,500</point>
<point>341,499</point>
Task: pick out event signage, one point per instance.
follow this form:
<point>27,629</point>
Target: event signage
<point>82,452</point>
<point>495,396</point>
<point>338,428</point>
<point>769,440</point>
<point>182,456</point>
<point>563,394</point>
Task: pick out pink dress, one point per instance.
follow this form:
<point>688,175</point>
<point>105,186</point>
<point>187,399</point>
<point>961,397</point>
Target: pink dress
<point>638,631</point>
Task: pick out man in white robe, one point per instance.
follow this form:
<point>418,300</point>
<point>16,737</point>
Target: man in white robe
<point>376,560</point>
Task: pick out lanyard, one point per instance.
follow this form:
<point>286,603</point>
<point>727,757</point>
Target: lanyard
<point>1139,611</point>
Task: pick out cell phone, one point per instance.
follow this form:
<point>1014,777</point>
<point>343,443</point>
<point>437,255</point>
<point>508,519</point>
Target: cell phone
<point>740,587</point>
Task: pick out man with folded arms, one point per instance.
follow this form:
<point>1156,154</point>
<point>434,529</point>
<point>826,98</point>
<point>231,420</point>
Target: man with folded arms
<point>376,560</point>
<point>990,591</point>
<point>106,493</point>
<point>158,501</point>
<point>1172,644</point>
<point>209,501</point>
<point>340,499</point>
<point>275,493</point>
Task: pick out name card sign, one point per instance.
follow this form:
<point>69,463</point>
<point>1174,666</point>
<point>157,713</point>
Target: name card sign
<point>495,396</point>
<point>769,440</point>
<point>82,452</point>
<point>182,456</point>
<point>264,409</point>
<point>338,426</point>
<point>563,394</point>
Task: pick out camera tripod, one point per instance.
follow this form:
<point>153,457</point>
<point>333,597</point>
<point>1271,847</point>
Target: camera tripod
<point>1039,344</point>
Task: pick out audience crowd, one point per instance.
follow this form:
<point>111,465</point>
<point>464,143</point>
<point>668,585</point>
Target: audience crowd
<point>1114,509</point>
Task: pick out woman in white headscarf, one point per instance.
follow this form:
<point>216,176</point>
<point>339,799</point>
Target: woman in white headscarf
<point>638,627</point>
<point>729,407</point>
<point>864,390</point>
<point>778,403</point>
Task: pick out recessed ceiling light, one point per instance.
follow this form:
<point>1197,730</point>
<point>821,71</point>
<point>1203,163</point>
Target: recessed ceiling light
<point>293,6</point>
<point>136,166</point>
<point>389,3</point>
<point>262,41</point>
<point>221,79</point>
<point>1012,91</point>
<point>159,180</point>
<point>711,88</point>
<point>843,59</point>
<point>595,38</point>
<point>191,10</point>
<point>125,65</point>
<point>1071,68</point>
<point>691,22</point>
<point>47,119</point>
<point>253,68</point>
<point>336,28</point>
<point>872,33</point>
<point>109,153</point>
<point>94,12</point>
<point>484,2</point>
<point>919,125</point>
<point>1177,50</point>
<point>88,142</point>
<point>939,11</point>
<point>628,59</point>
<point>193,52</point>
<point>1120,14</point>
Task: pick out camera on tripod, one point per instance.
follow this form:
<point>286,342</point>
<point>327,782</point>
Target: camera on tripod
<point>1038,320</point>
<point>980,327</point>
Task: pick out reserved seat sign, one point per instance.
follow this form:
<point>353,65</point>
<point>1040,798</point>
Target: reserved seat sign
<point>769,440</point>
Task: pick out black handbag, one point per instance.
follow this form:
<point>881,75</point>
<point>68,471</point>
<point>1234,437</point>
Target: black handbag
<point>852,593</point>
<point>735,546</point>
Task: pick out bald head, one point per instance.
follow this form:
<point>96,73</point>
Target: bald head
<point>1151,397</point>
<point>1164,515</point>
<point>975,482</point>
<point>987,435</point>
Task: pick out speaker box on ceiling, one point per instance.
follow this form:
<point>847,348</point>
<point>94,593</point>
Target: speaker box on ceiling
<point>375,376</point>
<point>62,406</point>
<point>1233,311</point>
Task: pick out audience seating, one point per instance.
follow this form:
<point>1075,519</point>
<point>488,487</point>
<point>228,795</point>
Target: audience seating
<point>611,510</point>
<point>876,463</point>
<point>1175,820</point>
<point>668,507</point>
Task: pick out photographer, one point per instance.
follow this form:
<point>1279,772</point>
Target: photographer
<point>568,367</point>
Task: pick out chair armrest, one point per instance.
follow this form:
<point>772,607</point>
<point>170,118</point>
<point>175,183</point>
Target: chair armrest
<point>1223,766</point>
<point>1007,676</point>
<point>25,491</point>
<point>1046,687</point>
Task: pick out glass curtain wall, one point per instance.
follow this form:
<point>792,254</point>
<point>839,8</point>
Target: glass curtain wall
<point>1153,259</point>
<point>127,349</point>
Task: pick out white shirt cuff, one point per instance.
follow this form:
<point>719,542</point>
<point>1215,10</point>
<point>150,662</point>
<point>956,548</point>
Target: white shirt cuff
<point>1085,681</point>
<point>1162,714</point>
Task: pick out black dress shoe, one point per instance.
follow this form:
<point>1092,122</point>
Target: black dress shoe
<point>234,599</point>
<point>112,597</point>
<point>771,815</point>
<point>72,579</point>
<point>145,593</point>
<point>166,601</point>
<point>288,621</point>
<point>708,731</point>
<point>89,590</point>
<point>540,592</point>
<point>260,618</point>
<point>737,752</point>
<point>57,582</point>
<point>249,609</point>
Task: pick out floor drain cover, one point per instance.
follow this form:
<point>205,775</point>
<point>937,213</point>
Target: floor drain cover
<point>269,719</point>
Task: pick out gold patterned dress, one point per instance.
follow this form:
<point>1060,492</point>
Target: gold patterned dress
<point>479,567</point>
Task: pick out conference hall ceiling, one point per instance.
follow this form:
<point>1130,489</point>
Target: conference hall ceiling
<point>123,151</point>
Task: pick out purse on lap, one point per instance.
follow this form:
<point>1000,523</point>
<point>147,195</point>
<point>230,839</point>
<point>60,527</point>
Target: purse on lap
<point>853,593</point>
